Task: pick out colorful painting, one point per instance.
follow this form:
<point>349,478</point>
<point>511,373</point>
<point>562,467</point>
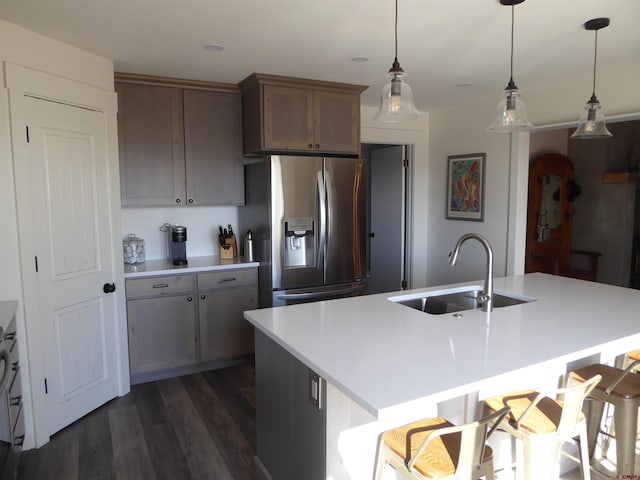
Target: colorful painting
<point>465,187</point>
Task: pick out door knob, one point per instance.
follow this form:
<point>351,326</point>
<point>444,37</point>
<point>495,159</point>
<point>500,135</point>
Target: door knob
<point>109,287</point>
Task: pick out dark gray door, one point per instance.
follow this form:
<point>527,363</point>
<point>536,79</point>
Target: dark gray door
<point>387,219</point>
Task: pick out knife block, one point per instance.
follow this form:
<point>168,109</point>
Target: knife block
<point>226,252</point>
<point>234,246</point>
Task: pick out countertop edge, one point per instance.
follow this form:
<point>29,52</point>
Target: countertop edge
<point>156,267</point>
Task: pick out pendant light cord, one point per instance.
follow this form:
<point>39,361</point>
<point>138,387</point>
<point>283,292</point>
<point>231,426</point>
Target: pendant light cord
<point>595,60</point>
<point>396,32</point>
<point>512,30</point>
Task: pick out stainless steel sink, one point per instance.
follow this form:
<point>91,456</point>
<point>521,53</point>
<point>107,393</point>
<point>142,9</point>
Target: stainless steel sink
<point>438,303</point>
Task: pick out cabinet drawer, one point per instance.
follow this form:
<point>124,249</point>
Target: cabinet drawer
<point>157,286</point>
<point>227,279</point>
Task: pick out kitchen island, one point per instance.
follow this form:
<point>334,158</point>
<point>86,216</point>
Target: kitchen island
<point>384,363</point>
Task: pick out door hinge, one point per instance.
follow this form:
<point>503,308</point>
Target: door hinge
<point>405,162</point>
<point>404,285</point>
<point>27,133</point>
<point>36,260</point>
<point>46,388</point>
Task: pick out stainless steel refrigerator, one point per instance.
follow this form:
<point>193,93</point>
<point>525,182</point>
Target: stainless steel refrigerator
<point>308,219</point>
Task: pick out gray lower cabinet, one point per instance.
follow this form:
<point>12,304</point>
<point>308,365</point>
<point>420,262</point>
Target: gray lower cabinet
<point>224,333</point>
<point>181,324</point>
<point>290,427</point>
<point>162,333</point>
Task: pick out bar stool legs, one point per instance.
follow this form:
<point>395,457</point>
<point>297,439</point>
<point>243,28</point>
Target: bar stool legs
<point>625,421</point>
<point>621,389</point>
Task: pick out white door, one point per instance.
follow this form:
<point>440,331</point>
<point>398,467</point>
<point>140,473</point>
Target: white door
<point>72,243</point>
<point>387,219</point>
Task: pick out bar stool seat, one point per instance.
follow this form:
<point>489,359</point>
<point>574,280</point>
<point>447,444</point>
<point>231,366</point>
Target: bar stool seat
<point>434,448</point>
<point>621,388</point>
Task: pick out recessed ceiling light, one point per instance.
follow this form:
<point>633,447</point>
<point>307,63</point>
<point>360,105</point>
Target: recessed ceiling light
<point>359,59</point>
<point>213,47</point>
<point>464,84</point>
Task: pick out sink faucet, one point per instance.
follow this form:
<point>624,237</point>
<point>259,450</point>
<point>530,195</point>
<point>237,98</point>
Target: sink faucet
<point>487,294</point>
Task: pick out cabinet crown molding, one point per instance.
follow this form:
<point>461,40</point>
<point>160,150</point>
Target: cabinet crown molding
<point>265,79</point>
<point>175,82</point>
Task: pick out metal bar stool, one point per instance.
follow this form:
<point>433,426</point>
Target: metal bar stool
<point>621,388</point>
<point>434,448</point>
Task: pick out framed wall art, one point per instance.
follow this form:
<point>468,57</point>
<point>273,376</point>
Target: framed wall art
<point>465,187</point>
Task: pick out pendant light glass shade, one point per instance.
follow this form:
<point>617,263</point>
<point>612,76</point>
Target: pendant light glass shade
<point>511,115</point>
<point>396,102</point>
<point>592,124</point>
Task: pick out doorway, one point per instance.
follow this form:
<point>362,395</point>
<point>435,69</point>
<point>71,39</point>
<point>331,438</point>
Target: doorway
<point>388,168</point>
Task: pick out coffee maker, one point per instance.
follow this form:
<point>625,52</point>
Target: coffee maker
<point>176,243</point>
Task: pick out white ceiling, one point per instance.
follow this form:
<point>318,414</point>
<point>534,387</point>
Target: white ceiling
<point>443,44</point>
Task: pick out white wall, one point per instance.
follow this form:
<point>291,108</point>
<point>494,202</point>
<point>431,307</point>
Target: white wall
<point>201,222</point>
<point>550,141</point>
<point>459,131</point>
<point>462,129</point>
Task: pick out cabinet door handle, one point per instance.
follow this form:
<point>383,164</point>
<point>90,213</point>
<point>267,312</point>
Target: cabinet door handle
<point>202,297</point>
<point>228,279</point>
<point>177,200</point>
<point>317,145</point>
<point>10,336</point>
<point>161,285</point>
<point>189,299</point>
<point>310,145</point>
<point>190,200</point>
<point>18,441</point>
<point>15,401</point>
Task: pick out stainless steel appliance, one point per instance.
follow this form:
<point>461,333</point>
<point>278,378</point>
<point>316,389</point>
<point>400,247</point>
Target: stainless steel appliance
<point>176,243</point>
<point>308,218</point>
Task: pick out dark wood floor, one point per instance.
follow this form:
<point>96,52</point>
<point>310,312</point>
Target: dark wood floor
<point>198,426</point>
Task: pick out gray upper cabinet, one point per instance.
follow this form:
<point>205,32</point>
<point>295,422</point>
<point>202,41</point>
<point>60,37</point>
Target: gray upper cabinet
<point>180,142</point>
<point>151,145</point>
<point>290,115</point>
<point>213,146</point>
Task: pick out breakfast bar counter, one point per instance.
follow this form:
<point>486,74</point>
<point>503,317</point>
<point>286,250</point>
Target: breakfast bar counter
<point>393,364</point>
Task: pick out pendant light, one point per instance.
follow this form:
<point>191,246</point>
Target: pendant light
<point>396,104</point>
<point>591,123</point>
<point>510,116</point>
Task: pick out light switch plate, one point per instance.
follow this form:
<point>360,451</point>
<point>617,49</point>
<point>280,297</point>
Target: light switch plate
<point>315,389</point>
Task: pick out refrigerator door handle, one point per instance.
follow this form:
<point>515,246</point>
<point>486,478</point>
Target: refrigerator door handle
<point>322,219</point>
<point>329,219</point>
<point>311,295</point>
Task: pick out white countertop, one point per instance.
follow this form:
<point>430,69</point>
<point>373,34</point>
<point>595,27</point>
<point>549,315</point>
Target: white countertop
<point>384,355</point>
<point>196,264</point>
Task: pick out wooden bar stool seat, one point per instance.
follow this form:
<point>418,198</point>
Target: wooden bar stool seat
<point>434,448</point>
<point>621,388</point>
<point>542,423</point>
